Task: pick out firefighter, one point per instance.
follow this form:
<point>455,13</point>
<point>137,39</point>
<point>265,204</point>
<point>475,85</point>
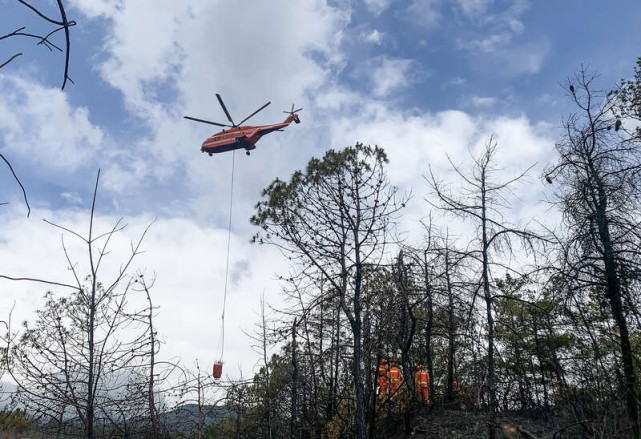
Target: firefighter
<point>383,379</point>
<point>396,377</point>
<point>456,393</point>
<point>422,379</point>
<point>456,389</point>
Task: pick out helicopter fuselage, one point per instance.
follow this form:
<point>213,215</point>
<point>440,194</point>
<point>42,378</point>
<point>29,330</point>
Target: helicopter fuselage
<point>242,137</point>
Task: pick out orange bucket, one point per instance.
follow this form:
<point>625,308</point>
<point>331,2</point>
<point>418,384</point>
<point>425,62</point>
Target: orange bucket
<point>218,369</point>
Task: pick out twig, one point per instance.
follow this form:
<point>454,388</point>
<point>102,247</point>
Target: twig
<point>65,229</point>
<point>24,193</point>
<point>10,59</point>
<point>43,40</point>
<point>41,14</point>
<point>42,281</point>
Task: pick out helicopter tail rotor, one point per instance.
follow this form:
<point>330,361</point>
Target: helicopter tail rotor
<point>293,112</point>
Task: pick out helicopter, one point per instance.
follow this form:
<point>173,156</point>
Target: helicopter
<point>238,136</point>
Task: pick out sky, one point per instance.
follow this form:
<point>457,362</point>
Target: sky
<point>424,79</point>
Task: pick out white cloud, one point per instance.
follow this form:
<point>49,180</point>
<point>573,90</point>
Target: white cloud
<point>522,59</point>
<point>483,101</point>
<point>457,81</point>
<point>194,45</point>
<point>522,141</point>
<point>378,6</point>
<point>496,56</point>
<point>424,13</point>
<point>489,31</point>
<point>486,44</point>
<point>96,9</point>
<point>374,37</point>
<point>388,75</point>
<point>474,8</point>
<point>71,197</point>
<point>39,123</point>
<point>516,26</point>
<point>549,100</point>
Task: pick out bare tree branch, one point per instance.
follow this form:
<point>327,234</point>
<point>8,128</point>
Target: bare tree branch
<point>24,193</point>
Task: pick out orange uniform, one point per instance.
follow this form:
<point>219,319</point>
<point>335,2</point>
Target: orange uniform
<point>396,378</point>
<point>383,378</point>
<point>456,389</point>
<point>422,379</point>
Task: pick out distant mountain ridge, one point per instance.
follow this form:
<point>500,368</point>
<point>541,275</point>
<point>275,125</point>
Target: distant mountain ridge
<point>184,419</point>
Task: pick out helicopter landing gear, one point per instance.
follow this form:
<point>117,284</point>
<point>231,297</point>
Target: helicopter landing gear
<point>247,152</point>
<point>210,154</point>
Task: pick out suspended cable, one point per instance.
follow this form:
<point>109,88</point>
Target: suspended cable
<point>231,205</point>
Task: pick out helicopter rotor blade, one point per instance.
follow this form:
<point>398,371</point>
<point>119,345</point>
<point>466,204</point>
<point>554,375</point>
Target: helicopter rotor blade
<point>206,121</point>
<point>293,111</point>
<point>222,104</point>
<point>254,113</point>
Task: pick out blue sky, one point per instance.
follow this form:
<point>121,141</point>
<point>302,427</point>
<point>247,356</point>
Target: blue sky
<point>420,78</point>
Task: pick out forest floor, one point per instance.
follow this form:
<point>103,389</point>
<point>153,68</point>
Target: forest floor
<point>442,423</point>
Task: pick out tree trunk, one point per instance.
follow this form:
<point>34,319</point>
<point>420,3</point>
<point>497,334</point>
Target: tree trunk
<point>361,426</point>
<point>613,290</point>
<point>292,424</point>
<point>490,318</point>
<point>428,329</point>
<point>449,395</point>
<point>539,357</point>
<point>268,397</point>
<point>370,386</point>
<point>314,395</point>
<point>200,407</point>
<point>614,296</point>
<point>336,362</point>
<point>90,377</point>
<point>152,364</point>
<point>356,321</point>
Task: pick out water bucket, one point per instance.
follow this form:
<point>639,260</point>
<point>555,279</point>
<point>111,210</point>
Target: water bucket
<point>218,369</point>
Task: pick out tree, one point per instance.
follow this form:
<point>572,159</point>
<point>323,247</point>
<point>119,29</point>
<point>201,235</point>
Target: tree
<point>82,358</point>
<point>197,403</point>
<point>261,342</point>
<point>331,221</point>
<point>481,201</point>
<point>451,262</point>
<point>596,181</point>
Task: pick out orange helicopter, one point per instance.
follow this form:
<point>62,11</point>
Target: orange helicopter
<point>238,136</point>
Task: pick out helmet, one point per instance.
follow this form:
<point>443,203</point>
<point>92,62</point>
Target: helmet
<point>420,366</point>
<point>383,361</point>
